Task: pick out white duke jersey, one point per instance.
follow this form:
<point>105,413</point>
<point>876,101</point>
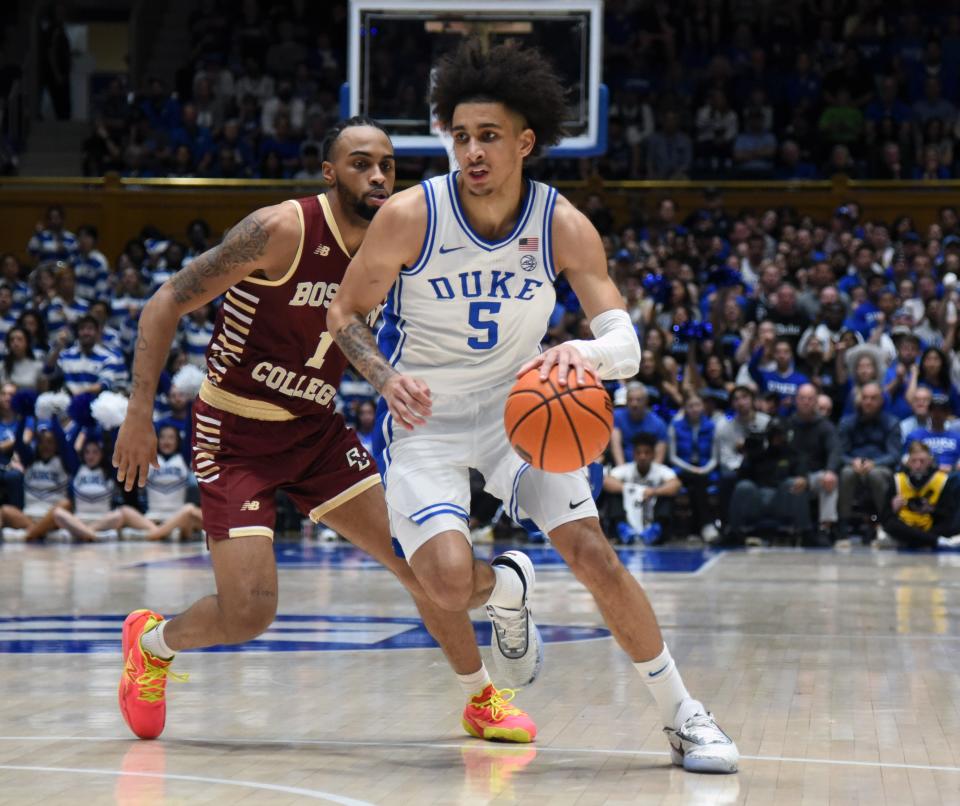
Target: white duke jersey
<point>167,484</point>
<point>470,312</point>
<point>44,485</point>
<point>92,492</point>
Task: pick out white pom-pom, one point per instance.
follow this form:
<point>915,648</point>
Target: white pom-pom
<point>188,380</point>
<point>51,404</point>
<point>949,279</point>
<point>109,409</point>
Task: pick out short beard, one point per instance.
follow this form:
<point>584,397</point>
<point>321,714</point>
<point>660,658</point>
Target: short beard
<point>364,210</point>
<point>356,204</point>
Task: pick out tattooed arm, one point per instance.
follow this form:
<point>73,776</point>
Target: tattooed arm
<point>393,241</point>
<point>264,241</point>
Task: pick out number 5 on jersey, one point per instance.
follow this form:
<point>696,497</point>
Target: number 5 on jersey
<point>479,319</point>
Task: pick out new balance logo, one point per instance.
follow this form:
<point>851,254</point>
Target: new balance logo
<point>250,506</point>
<point>323,250</point>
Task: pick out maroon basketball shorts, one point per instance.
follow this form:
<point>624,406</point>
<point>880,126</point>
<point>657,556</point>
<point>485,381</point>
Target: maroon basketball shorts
<point>240,463</point>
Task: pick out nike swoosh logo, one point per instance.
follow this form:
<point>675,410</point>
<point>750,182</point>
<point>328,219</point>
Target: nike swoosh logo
<point>654,674</point>
<point>584,501</point>
<point>444,251</point>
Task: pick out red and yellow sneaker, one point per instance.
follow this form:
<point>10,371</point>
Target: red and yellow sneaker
<point>143,683</point>
<point>491,715</point>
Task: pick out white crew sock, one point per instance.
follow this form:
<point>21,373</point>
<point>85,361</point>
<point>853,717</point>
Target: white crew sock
<point>508,588</point>
<point>665,684</point>
<point>152,641</point>
<point>473,684</point>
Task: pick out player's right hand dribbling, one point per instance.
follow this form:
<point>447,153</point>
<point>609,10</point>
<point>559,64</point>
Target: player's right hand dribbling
<point>408,400</point>
<point>135,451</point>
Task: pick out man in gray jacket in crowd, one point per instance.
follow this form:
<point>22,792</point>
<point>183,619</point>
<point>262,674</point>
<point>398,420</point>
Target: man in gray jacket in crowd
<point>870,446</point>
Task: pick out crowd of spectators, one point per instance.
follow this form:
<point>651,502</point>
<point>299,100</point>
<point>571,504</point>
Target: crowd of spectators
<point>788,365</point>
<point>799,378</point>
<point>259,90</point>
<point>68,322</point>
<point>711,89</point>
<point>802,90</point>
<point>68,319</point>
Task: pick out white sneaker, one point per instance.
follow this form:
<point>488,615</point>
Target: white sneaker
<point>133,534</point>
<point>943,543</point>
<point>59,536</point>
<point>709,533</point>
<point>107,535</point>
<point>516,644</point>
<point>883,541</point>
<point>11,535</point>
<point>699,745</point>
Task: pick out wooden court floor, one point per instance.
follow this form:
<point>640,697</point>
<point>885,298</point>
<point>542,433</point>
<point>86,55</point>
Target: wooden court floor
<point>837,674</point>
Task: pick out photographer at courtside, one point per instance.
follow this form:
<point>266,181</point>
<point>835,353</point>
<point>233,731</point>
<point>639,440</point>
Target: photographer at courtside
<point>767,489</point>
<point>922,505</point>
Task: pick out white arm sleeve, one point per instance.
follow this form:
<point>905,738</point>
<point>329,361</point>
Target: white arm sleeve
<point>615,350</point>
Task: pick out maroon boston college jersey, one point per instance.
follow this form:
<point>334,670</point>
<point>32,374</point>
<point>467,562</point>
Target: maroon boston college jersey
<point>271,357</point>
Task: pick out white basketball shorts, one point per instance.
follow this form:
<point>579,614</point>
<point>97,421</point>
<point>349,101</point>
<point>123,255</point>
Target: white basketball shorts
<point>427,472</point>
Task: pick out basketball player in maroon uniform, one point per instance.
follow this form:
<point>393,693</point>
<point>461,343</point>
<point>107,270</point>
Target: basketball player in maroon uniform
<point>265,421</point>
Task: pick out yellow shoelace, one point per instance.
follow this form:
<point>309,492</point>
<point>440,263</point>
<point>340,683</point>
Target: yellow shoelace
<point>499,704</point>
<point>152,681</point>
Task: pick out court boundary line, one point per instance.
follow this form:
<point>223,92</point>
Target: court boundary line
<point>819,636</point>
<point>316,794</point>
<point>148,563</point>
<point>712,561</point>
<point>373,565</point>
<point>457,745</point>
<point>98,653</point>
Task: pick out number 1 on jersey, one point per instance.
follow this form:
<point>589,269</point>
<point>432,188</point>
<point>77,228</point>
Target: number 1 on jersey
<point>316,360</point>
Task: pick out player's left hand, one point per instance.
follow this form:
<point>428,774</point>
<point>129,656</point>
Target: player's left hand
<point>565,357</point>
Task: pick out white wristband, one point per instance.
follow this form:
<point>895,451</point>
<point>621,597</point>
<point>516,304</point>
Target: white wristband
<point>615,352</point>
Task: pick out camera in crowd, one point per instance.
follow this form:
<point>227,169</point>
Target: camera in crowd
<point>920,505</point>
<point>758,441</point>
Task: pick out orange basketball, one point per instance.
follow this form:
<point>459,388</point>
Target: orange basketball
<point>558,428</point>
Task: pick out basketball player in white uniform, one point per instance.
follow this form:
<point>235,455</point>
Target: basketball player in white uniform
<point>468,262</point>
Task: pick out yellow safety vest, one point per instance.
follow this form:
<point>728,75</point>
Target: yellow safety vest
<point>931,491</point>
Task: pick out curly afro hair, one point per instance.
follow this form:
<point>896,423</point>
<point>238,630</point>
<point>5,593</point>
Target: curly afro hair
<point>519,78</point>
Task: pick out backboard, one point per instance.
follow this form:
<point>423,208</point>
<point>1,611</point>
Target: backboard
<point>394,43</point>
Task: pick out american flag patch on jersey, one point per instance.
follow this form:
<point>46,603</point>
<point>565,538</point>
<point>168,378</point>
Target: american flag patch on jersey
<point>529,244</point>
